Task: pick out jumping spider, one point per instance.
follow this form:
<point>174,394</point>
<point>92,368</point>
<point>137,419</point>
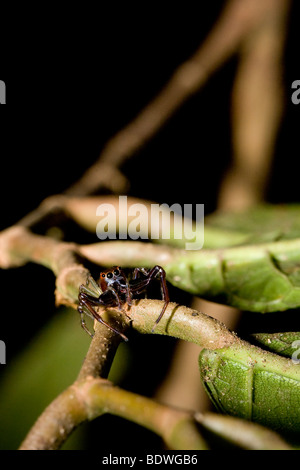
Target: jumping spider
<point>115,290</point>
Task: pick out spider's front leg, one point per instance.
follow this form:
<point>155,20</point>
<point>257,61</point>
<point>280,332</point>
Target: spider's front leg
<point>139,284</point>
<point>86,303</point>
<point>158,270</point>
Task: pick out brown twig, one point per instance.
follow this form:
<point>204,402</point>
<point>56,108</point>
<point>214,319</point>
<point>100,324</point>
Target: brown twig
<point>102,349</point>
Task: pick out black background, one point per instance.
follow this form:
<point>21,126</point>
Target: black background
<point>76,77</point>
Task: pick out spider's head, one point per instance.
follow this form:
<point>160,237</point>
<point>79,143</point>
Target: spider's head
<point>111,277</point>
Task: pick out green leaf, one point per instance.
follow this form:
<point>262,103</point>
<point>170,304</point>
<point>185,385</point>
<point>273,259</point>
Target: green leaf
<point>247,382</point>
<point>260,278</point>
<point>250,260</point>
<point>286,344</point>
<point>255,263</point>
<point>263,223</point>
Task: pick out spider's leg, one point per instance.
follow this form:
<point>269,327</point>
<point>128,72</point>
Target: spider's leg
<point>82,311</point>
<point>165,293</point>
<point>85,302</point>
<point>128,294</point>
<point>140,283</point>
<point>116,296</point>
<point>104,299</point>
<point>150,275</point>
<point>119,300</point>
<point>125,289</point>
<point>160,315</point>
<point>137,271</point>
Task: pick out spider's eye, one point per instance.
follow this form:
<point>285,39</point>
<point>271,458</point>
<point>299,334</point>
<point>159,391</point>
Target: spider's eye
<point>103,275</point>
<point>116,272</point>
<point>109,275</point>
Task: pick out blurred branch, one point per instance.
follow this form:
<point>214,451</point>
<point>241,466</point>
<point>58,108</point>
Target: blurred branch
<point>238,20</point>
<point>257,104</point>
<point>241,433</point>
<point>256,114</point>
<point>19,246</point>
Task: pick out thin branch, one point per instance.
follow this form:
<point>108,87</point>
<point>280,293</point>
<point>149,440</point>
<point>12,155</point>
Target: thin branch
<point>102,349</point>
<point>92,397</point>
<point>51,204</point>
<point>19,246</point>
<point>181,322</point>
